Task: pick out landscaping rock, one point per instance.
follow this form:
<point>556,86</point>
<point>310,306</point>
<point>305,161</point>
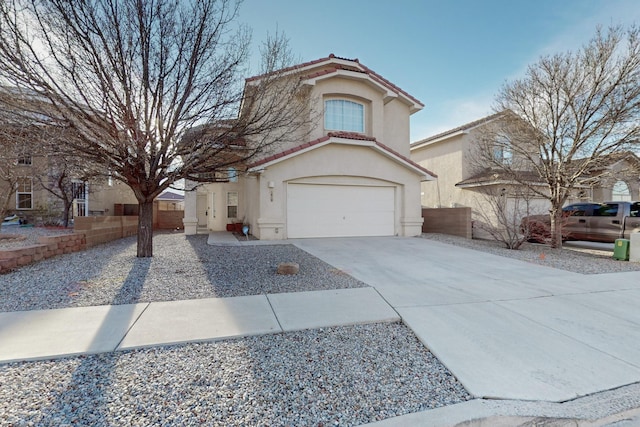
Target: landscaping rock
<point>288,268</point>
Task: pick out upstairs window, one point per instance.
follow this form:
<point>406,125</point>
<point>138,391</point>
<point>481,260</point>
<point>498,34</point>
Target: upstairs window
<point>25,160</point>
<point>340,114</point>
<point>232,175</point>
<point>24,193</point>
<point>502,151</point>
<point>621,192</point>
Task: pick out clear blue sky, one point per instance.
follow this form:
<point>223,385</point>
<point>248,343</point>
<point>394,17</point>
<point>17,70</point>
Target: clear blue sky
<point>452,55</point>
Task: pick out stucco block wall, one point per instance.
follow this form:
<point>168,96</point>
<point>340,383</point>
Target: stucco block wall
<point>47,247</point>
<point>454,221</point>
<point>103,229</point>
<point>169,220</point>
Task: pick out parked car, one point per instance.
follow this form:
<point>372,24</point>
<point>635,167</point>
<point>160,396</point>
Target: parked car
<point>596,222</point>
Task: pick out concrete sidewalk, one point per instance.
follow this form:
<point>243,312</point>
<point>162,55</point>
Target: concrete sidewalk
<point>525,340</point>
<point>45,334</point>
<point>506,329</point>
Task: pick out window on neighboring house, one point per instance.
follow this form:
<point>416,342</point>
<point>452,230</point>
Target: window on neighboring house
<point>209,175</point>
<point>621,192</point>
<point>502,153</point>
<point>340,114</point>
<point>232,204</point>
<point>24,193</point>
<point>232,175</point>
<point>25,160</point>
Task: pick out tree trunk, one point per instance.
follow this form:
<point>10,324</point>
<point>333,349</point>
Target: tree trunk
<point>145,229</point>
<point>65,214</point>
<point>556,227</point>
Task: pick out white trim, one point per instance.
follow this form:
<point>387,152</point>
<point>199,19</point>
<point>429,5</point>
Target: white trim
<point>419,144</point>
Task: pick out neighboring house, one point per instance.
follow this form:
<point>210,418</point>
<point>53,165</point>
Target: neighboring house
<point>462,181</point>
<point>170,201</point>
<point>36,205</point>
<point>620,180</point>
<point>350,176</point>
<point>27,170</point>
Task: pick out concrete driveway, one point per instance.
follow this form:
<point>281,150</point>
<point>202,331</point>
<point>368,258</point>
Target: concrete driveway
<point>506,329</point>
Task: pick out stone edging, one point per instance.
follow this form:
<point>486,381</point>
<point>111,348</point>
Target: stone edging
<point>48,247</point>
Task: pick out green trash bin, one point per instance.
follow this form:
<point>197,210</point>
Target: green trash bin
<point>621,250</point>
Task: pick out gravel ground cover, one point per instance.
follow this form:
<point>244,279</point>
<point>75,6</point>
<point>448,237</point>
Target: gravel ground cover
<point>331,376</point>
<point>334,376</point>
<point>577,260</point>
<point>183,267</point>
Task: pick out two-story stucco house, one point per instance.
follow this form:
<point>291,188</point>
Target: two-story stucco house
<point>464,181</point>
<point>350,176</point>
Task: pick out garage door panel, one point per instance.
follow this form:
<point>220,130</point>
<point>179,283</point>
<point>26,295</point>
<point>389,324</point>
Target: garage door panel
<point>339,210</point>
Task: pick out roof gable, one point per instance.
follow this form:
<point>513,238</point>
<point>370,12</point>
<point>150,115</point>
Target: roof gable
<point>455,131</point>
<point>333,65</point>
<point>344,138</point>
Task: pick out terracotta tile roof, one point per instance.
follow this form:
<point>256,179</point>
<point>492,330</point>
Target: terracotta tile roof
<point>292,68</point>
<point>351,135</point>
<point>345,135</point>
<point>289,151</point>
<point>390,85</point>
<point>406,159</point>
<point>357,67</point>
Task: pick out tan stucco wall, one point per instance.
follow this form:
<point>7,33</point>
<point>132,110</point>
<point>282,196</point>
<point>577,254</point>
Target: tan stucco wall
<point>358,91</point>
<point>397,127</point>
<point>453,160</point>
<point>335,164</point>
<point>103,196</point>
<point>263,194</point>
<point>445,159</point>
<point>388,123</point>
<point>216,198</point>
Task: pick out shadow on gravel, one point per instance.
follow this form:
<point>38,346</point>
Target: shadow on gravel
<point>60,281</point>
<point>85,398</point>
<point>252,269</point>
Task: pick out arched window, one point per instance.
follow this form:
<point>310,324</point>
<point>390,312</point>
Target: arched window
<point>340,114</point>
<point>621,191</point>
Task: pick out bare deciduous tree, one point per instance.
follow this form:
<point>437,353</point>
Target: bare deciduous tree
<point>60,181</point>
<point>132,77</point>
<point>566,115</point>
<point>501,218</point>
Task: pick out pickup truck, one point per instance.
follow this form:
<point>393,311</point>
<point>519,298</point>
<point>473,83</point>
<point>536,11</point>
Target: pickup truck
<point>597,222</point>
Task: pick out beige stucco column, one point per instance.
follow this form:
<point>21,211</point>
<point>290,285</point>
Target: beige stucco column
<point>190,219</point>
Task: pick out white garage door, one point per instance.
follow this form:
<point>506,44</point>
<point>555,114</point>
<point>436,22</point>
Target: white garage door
<point>339,211</point>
